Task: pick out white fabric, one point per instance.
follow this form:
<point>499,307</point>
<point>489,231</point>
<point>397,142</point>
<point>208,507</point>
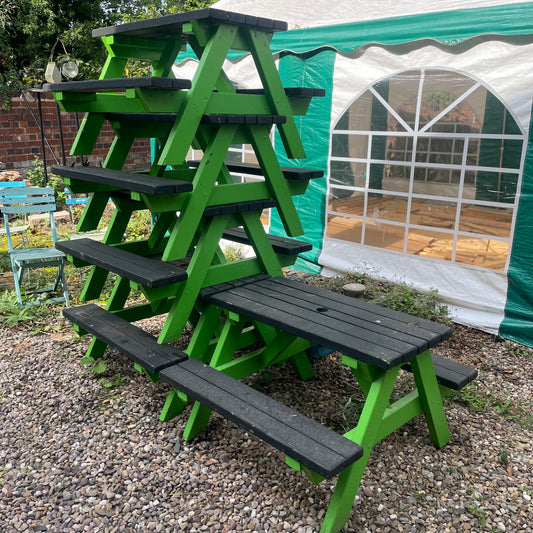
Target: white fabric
<point>310,13</point>
<point>475,298</point>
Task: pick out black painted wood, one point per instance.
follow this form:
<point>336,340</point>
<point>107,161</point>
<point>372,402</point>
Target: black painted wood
<point>209,118</point>
<point>239,207</point>
<point>450,373</point>
<point>280,245</point>
<point>290,173</point>
<point>171,25</point>
<point>243,120</point>
<point>298,92</point>
<point>118,85</point>
<point>144,270</point>
<point>301,438</point>
<point>367,332</point>
<point>131,341</point>
<point>131,181</point>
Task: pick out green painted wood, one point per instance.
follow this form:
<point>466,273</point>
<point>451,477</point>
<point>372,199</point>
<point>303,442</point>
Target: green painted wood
<point>204,180</point>
<point>274,91</point>
<point>183,131</point>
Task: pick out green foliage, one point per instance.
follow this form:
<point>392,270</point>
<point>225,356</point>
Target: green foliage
<point>11,314</point>
<point>29,30</point>
<point>38,179</point>
<point>99,369</point>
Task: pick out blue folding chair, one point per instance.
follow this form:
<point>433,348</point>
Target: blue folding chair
<point>21,229</point>
<point>33,200</point>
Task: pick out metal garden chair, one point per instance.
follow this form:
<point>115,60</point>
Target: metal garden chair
<point>33,200</point>
<point>20,229</point>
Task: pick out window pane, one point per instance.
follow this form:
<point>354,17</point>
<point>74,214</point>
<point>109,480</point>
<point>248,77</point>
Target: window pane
<point>485,253</point>
<point>343,201</point>
<point>486,220</point>
<point>434,213</point>
<point>383,235</point>
<point>393,208</point>
<point>344,228</point>
<point>491,186</point>
<point>347,173</point>
<point>428,243</point>
<point>346,145</point>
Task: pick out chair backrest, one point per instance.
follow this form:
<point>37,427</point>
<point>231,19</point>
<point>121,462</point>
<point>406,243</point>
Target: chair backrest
<point>10,184</point>
<point>30,200</point>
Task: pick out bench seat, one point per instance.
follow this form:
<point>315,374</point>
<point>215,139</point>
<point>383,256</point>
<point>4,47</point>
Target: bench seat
<point>131,341</point>
<point>280,245</point>
<point>239,207</point>
<point>131,181</point>
<point>118,85</point>
<point>290,173</point>
<point>450,374</point>
<point>147,271</point>
<point>364,331</point>
<point>301,438</point>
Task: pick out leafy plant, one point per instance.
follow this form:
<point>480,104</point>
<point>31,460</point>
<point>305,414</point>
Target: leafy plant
<point>11,313</point>
<point>37,178</point>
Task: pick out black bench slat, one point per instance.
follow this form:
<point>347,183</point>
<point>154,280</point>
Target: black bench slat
<point>244,120</point>
<point>161,28</point>
<point>131,341</point>
<point>332,320</point>
<point>290,173</point>
<point>301,438</point>
<point>450,373</point>
<point>208,118</point>
<point>239,207</point>
<point>280,245</point>
<point>131,181</point>
<point>144,270</point>
<point>118,84</point>
<point>304,92</point>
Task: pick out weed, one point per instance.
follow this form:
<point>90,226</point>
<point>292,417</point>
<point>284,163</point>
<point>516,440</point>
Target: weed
<point>11,314</point>
<point>512,409</point>
<point>139,226</point>
<point>351,411</point>
<point>420,496</point>
<point>98,369</point>
<point>232,253</point>
<point>2,480</point>
<point>477,512</point>
<point>504,455</point>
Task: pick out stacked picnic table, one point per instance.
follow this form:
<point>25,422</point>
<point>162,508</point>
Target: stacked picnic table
<point>181,269</point>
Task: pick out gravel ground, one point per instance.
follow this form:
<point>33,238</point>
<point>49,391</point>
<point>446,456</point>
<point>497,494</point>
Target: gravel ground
<point>77,456</point>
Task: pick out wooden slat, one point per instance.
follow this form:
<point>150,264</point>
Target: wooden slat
<point>131,181</point>
<point>450,373</point>
<point>144,270</point>
<point>238,207</point>
<point>118,84</point>
<point>131,341</point>
<point>301,438</point>
<point>171,25</point>
<point>280,245</point>
<point>290,173</point>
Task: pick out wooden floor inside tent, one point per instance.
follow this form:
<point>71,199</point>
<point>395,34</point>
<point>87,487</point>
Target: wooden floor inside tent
<point>380,232</point>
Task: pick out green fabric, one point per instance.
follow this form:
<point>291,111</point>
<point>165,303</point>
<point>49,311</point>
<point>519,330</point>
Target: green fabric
<point>491,186</point>
<point>517,324</point>
<point>309,71</point>
<point>448,27</point>
<point>379,142</point>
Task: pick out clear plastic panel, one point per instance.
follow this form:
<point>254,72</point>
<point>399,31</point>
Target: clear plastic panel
<point>486,220</point>
<point>487,253</point>
<point>433,213</point>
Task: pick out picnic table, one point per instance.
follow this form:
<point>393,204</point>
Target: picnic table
<point>180,267</point>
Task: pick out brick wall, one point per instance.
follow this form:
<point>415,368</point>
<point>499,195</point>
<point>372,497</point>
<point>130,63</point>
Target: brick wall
<point>20,138</point>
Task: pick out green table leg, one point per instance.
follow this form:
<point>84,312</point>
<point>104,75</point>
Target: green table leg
<point>364,434</point>
<point>430,398</point>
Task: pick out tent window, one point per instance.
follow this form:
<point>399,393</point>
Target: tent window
<point>427,162</point>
